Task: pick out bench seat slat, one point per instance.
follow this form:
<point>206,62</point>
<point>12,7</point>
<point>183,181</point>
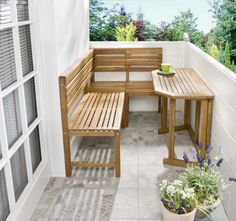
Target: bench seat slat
<point>98,112</point>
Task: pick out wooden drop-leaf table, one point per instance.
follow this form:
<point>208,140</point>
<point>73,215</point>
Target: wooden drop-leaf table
<point>187,85</point>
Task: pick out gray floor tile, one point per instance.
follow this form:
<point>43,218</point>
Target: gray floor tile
<point>126,204</point>
<point>95,194</point>
<point>149,204</point>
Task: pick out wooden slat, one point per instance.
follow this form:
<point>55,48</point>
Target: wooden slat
<point>109,69</point>
<point>74,70</point>
<point>91,113</point>
<point>110,62</point>
<point>99,110</point>
<point>108,112</point>
<point>84,111</point>
<point>104,111</point>
<point>79,111</point>
<point>185,84</point>
<point>107,87</point>
<point>144,51</point>
<point>92,164</point>
<point>113,112</point>
<point>119,111</point>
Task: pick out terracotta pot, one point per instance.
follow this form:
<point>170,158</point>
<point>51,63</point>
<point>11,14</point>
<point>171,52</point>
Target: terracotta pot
<point>169,216</point>
<point>210,209</point>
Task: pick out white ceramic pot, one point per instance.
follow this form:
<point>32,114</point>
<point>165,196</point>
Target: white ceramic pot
<point>169,216</point>
<point>210,209</point>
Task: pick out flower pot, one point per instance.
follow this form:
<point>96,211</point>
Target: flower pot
<point>169,216</point>
<point>210,209</point>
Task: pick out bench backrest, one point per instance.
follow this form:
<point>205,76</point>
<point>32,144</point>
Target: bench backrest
<point>73,82</point>
<point>127,60</point>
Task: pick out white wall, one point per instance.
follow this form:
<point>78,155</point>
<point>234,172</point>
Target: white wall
<point>173,52</point>
<point>223,84</point>
<point>64,39</point>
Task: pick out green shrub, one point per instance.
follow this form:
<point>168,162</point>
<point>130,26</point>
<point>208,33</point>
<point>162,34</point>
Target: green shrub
<point>126,33</point>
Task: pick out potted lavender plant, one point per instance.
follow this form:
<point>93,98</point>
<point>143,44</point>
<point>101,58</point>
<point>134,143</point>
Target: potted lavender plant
<point>206,180</point>
<point>178,201</point>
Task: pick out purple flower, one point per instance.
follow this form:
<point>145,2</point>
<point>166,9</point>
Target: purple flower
<point>211,165</point>
<point>232,179</point>
<point>185,157</point>
<point>181,211</point>
<point>200,160</point>
<point>208,148</point>
<point>209,161</point>
<point>219,162</point>
<point>182,204</point>
<point>164,203</point>
<point>172,205</point>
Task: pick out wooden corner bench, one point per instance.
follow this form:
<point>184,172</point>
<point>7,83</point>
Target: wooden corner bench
<point>98,111</point>
<point>91,114</point>
<point>126,60</point>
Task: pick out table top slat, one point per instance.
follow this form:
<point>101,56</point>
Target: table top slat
<point>185,84</point>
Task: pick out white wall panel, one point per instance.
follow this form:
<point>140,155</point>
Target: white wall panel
<point>222,82</point>
<point>65,37</point>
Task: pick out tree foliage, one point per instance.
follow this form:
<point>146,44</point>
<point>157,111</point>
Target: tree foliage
<point>118,24</point>
<point>126,33</point>
<point>225,17</point>
<point>186,22</point>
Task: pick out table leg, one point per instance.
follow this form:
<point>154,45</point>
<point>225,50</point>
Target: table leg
<point>164,112</point>
<point>209,121</point>
<point>197,121</point>
<point>187,112</point>
<point>172,129</point>
<point>159,104</point>
<point>204,121</point>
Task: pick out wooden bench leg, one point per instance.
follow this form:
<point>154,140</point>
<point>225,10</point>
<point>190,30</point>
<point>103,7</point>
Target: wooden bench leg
<point>67,155</point>
<point>117,154</point>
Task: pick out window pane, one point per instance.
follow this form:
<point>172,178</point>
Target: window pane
<point>5,11</point>
<point>30,100</point>
<point>4,204</point>
<point>22,10</point>
<point>26,49</point>
<point>19,173</point>
<point>12,117</point>
<point>7,59</point>
<point>35,148</point>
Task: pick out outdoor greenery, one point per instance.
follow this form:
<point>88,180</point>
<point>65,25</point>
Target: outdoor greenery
<point>177,196</point>
<point>117,24</point>
<point>205,177</point>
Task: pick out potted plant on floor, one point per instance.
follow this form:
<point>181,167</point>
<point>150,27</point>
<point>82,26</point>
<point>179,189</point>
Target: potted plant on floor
<point>206,180</point>
<point>178,201</point>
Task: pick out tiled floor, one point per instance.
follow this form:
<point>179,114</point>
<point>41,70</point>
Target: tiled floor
<point>96,195</point>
